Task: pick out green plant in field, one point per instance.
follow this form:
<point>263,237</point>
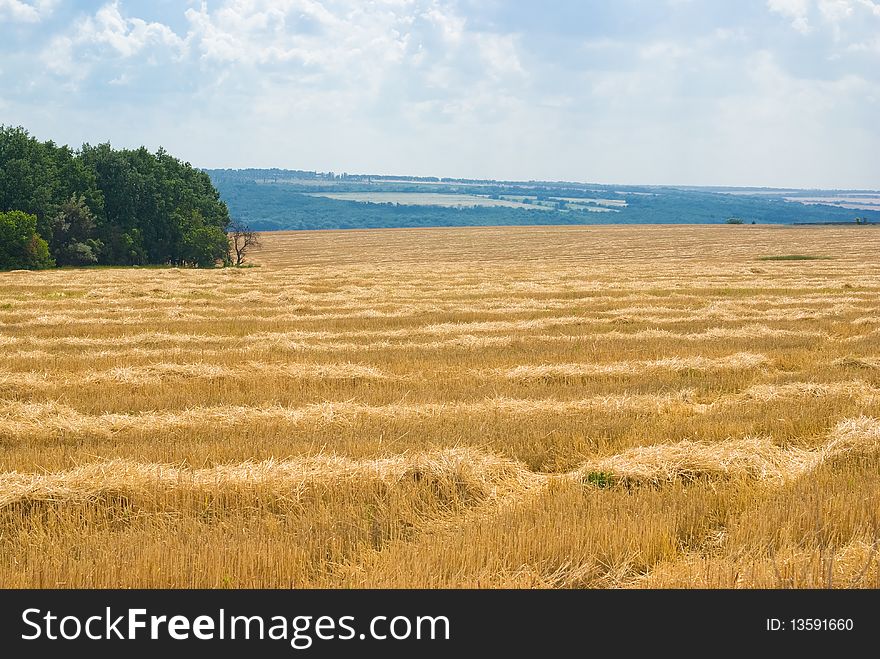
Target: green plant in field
<point>600,479</point>
<point>794,257</point>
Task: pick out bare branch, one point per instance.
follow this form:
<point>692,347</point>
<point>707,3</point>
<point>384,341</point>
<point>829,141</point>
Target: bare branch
<point>242,239</point>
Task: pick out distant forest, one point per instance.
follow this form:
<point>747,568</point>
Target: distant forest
<point>100,205</point>
<point>275,199</point>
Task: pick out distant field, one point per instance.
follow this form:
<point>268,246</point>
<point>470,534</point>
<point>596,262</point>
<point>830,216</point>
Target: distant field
<point>615,203</point>
<point>854,202</point>
<point>525,202</point>
<point>425,199</point>
<point>619,406</point>
<point>592,205</point>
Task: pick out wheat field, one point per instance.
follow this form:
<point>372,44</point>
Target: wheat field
<point>581,407</point>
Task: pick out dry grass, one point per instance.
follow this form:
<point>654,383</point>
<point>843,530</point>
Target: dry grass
<point>742,360</point>
<point>535,407</point>
<point>478,474</point>
<point>751,457</point>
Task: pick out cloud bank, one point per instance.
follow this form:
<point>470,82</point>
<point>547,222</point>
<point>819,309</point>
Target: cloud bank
<point>775,93</point>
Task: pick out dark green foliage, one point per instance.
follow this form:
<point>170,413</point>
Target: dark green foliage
<point>20,245</point>
<point>38,177</point>
<point>73,234</point>
<point>150,203</point>
<point>27,173</point>
<point>116,207</point>
<point>202,244</point>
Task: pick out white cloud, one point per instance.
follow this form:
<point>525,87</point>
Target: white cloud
<point>785,130</point>
<point>500,54</point>
<point>126,36</point>
<point>437,87</point>
<point>333,36</point>
<point>869,46</point>
<point>73,54</point>
<point>796,10</point>
<point>26,12</point>
<point>347,56</point>
<point>664,50</point>
<point>843,17</point>
<point>855,24</point>
<point>872,6</point>
<point>835,11</point>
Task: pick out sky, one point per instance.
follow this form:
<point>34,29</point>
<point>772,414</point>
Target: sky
<point>771,93</point>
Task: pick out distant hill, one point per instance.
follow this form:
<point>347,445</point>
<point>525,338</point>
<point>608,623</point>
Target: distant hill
<point>277,199</point>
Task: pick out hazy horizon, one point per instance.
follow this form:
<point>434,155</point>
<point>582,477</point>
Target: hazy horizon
<point>392,175</point>
<point>762,93</point>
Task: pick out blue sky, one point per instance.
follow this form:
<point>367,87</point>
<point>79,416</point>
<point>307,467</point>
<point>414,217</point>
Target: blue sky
<point>700,92</point>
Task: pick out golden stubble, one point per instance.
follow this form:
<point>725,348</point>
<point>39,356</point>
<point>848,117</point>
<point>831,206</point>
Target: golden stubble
<point>517,407</point>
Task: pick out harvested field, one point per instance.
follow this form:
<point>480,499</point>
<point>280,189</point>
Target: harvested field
<point>547,407</point>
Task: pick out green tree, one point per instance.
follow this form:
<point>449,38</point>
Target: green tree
<point>20,244</point>
<point>149,204</point>
<point>72,238</point>
<point>38,177</point>
<point>119,207</point>
<point>202,245</point>
<point>27,172</point>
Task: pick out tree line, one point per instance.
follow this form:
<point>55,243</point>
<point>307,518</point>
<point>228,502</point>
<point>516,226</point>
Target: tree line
<point>104,206</point>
